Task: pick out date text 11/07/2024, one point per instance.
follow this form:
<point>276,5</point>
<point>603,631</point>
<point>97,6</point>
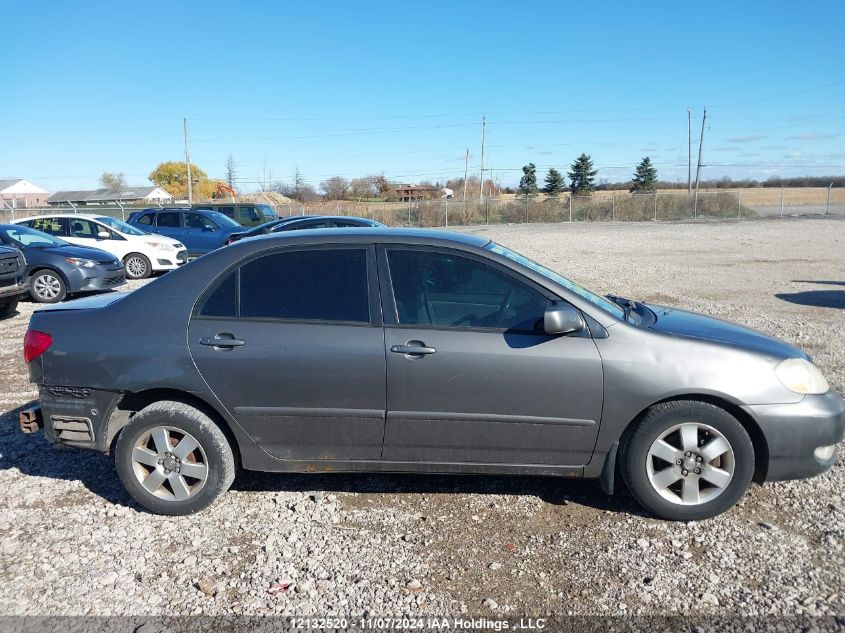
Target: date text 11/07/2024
<point>430,623</point>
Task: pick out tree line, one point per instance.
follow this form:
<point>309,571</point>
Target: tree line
<point>582,175</point>
<point>582,179</point>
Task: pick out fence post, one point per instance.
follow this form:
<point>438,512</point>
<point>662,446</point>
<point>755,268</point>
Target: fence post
<point>447,212</point>
<point>826,211</point>
<point>570,207</point>
<point>486,208</point>
<point>122,210</point>
<point>781,200</point>
<point>738,202</point>
<point>612,205</point>
<point>73,206</point>
<point>655,204</point>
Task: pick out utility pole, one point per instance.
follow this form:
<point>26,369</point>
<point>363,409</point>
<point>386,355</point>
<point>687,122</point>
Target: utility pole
<point>188,160</point>
<point>466,173</point>
<point>689,151</point>
<point>698,167</point>
<point>483,140</point>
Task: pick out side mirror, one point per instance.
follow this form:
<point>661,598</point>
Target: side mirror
<point>562,319</point>
<point>103,235</point>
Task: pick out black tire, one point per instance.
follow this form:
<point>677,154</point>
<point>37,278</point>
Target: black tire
<point>47,286</point>
<point>634,459</point>
<point>140,264</point>
<point>213,449</point>
<point>8,307</point>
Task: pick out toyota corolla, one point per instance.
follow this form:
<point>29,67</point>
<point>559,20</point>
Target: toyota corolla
<point>420,351</point>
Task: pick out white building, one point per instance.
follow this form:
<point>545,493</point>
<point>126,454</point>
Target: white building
<point>18,193</point>
<point>110,196</point>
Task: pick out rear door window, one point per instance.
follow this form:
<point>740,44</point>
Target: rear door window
<point>229,212</point>
<point>53,226</point>
<point>169,219</point>
<point>146,219</point>
<point>312,285</point>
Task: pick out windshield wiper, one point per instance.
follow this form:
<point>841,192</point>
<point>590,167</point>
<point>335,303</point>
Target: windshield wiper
<point>627,305</point>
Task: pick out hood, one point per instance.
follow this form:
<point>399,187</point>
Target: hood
<point>86,303</point>
<point>81,252</point>
<point>693,325</point>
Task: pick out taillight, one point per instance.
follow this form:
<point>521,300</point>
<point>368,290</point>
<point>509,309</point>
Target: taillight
<point>35,343</point>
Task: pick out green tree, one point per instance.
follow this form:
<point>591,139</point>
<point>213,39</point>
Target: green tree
<point>583,176</point>
<point>554,183</point>
<point>645,176</point>
<point>172,176</point>
<point>528,182</point>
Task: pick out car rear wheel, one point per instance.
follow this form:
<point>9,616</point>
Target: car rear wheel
<point>687,460</point>
<point>173,459</point>
<point>47,286</point>
<point>8,307</point>
<point>137,266</point>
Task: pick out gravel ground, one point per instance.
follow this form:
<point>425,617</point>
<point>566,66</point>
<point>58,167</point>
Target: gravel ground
<point>74,544</point>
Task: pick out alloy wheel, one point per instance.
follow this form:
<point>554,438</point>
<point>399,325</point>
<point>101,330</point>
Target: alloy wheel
<point>47,286</point>
<point>690,464</point>
<point>136,267</point>
<point>169,463</point>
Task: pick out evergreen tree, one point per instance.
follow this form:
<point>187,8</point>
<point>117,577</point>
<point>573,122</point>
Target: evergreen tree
<point>554,183</point>
<point>645,176</point>
<point>528,182</point>
<point>582,175</point>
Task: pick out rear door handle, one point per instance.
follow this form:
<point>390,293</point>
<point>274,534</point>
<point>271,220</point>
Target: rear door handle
<point>218,341</point>
<point>412,350</point>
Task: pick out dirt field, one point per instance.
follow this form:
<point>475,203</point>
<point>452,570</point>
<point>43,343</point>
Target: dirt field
<point>74,544</point>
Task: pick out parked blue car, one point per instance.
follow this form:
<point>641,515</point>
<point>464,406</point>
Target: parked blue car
<point>199,230</point>
<point>57,269</point>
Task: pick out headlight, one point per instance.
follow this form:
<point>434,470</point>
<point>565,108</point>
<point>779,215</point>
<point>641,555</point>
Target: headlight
<point>83,263</point>
<point>162,246</point>
<point>801,376</point>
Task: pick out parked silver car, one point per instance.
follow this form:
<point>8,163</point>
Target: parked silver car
<point>420,351</point>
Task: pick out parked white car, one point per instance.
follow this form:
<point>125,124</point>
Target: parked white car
<point>141,253</point>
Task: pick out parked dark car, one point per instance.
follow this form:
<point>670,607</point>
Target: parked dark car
<point>300,222</point>
<point>200,231</point>
<point>244,213</point>
<point>56,268</point>
<point>13,282</point>
<point>420,351</point>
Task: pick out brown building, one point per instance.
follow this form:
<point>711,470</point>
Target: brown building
<point>419,192</point>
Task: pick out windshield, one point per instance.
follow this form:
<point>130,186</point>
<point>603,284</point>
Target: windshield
<point>221,219</point>
<point>26,236</point>
<point>596,300</point>
<point>119,226</point>
<point>266,210</point>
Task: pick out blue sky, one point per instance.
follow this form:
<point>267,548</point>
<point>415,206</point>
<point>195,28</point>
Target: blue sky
<point>351,88</point>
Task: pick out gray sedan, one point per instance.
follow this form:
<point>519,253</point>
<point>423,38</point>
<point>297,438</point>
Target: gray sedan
<point>420,351</point>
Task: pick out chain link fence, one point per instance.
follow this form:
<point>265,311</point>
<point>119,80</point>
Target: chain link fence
<point>601,206</point>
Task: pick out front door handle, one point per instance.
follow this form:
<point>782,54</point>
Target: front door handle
<point>412,350</point>
<point>222,341</point>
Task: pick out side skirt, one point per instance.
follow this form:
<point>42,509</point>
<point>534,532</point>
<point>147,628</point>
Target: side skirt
<point>260,461</point>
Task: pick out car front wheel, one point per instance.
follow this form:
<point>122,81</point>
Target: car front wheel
<point>687,460</point>
<point>47,286</point>
<point>173,459</point>
<point>137,266</point>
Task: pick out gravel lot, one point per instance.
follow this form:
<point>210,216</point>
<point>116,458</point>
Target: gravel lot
<point>74,544</point>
